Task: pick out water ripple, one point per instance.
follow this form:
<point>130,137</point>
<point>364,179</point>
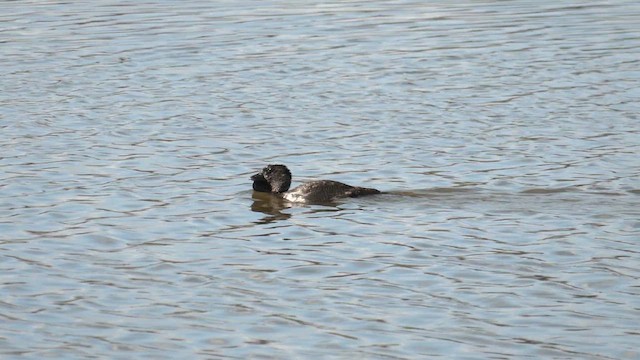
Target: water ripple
<point>504,135</point>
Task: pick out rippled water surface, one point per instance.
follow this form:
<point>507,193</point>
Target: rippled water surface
<point>505,135</point>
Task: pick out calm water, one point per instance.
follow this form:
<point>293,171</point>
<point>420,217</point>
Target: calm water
<point>506,135</point>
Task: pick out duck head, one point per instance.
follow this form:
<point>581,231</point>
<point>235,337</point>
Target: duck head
<point>273,178</point>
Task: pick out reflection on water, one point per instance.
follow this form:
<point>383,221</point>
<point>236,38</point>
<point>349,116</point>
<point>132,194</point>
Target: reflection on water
<point>270,205</point>
<point>504,135</point>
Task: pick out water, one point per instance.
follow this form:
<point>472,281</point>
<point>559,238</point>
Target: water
<point>505,134</point>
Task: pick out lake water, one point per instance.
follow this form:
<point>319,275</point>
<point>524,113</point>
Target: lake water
<point>504,133</point>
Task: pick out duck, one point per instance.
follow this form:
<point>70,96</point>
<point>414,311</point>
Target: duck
<point>276,179</point>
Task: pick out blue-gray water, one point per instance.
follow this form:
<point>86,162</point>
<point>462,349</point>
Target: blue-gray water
<point>505,133</point>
